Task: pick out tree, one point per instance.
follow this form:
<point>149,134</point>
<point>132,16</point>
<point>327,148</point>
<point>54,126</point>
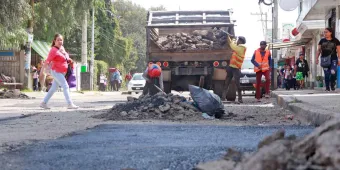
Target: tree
<point>133,22</point>
<point>13,17</point>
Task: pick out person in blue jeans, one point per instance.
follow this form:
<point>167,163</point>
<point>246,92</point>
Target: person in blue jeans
<point>329,45</point>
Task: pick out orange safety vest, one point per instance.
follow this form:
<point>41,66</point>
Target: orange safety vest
<point>262,61</point>
<point>236,60</point>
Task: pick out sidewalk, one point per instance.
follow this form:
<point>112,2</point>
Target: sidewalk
<point>316,105</point>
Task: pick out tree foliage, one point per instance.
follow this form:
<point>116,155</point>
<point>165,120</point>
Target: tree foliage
<point>133,22</point>
<point>13,16</point>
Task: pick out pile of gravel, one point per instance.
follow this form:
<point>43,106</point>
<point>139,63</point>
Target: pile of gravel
<point>159,106</point>
<point>317,151</point>
<point>13,94</point>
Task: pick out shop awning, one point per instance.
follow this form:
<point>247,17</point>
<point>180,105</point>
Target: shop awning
<point>42,48</point>
<point>286,44</point>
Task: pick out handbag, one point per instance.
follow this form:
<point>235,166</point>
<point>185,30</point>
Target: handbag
<point>326,61</point>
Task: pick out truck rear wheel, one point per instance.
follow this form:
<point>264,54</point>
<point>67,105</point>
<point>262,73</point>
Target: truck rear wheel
<point>167,87</point>
<point>218,88</point>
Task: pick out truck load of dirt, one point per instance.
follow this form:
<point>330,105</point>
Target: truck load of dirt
<point>317,151</point>
<point>197,40</point>
<point>159,106</point>
<point>13,94</point>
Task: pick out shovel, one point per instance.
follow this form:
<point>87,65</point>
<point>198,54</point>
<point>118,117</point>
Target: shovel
<point>159,89</point>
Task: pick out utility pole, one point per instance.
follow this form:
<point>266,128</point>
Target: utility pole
<point>84,41</point>
<point>92,53</point>
<point>275,15</point>
<point>27,75</point>
<point>266,23</point>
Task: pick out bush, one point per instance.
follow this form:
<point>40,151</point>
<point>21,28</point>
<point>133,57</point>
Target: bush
<point>100,67</point>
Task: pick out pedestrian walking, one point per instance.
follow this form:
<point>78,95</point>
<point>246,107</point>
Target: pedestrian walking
<point>128,78</point>
<point>35,79</point>
<point>234,68</point>
<point>288,77</point>
<point>115,80</point>
<point>153,76</point>
<point>301,70</point>
<point>329,50</point>
<point>59,62</point>
<point>262,66</point>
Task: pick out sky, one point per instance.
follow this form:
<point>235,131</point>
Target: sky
<point>248,25</point>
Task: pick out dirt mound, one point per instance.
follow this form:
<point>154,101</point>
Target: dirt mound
<point>159,106</point>
<point>197,40</point>
<point>13,94</point>
<point>317,151</point>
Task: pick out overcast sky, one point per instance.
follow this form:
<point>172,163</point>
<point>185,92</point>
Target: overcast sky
<point>247,24</point>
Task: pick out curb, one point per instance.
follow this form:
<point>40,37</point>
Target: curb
<point>316,116</point>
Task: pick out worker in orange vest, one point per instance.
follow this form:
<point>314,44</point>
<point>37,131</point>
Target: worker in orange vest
<point>234,68</point>
<point>262,62</point>
<point>153,76</point>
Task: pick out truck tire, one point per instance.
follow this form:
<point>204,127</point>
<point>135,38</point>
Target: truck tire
<point>218,88</point>
<point>231,93</point>
<point>167,87</point>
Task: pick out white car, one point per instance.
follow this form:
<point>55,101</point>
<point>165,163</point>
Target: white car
<point>137,83</point>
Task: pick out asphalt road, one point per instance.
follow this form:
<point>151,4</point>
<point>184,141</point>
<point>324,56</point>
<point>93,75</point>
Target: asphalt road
<point>149,147</point>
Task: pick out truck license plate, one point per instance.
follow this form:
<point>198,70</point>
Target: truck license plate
<point>245,81</point>
<point>137,88</point>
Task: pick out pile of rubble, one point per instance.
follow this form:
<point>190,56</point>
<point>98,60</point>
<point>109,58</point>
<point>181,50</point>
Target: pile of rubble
<point>7,79</point>
<point>198,40</point>
<point>317,151</point>
<point>159,106</point>
<point>13,94</point>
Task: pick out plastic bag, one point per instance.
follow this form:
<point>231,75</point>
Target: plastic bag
<point>206,101</point>
<point>71,79</point>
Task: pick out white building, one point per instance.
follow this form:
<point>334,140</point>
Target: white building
<point>314,17</point>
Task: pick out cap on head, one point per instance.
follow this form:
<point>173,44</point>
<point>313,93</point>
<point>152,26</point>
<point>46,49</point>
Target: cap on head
<point>301,54</point>
<point>243,39</point>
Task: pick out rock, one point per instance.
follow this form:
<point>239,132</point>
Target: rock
<point>216,165</point>
<point>326,152</point>
<point>177,107</point>
<point>130,98</point>
<point>179,117</point>
<point>233,155</point>
<point>188,106</point>
<point>270,139</point>
<point>164,108</point>
<point>123,113</point>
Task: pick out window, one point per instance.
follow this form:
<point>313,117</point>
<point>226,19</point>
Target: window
<point>247,64</point>
<point>138,77</point>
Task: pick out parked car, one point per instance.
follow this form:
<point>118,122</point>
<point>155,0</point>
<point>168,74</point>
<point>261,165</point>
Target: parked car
<point>137,83</point>
<point>248,77</point>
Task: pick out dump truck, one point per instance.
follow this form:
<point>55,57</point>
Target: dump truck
<point>192,48</point>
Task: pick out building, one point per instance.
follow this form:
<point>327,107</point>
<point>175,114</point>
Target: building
<point>314,17</point>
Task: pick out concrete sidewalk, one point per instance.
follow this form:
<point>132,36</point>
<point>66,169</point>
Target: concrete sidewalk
<point>316,105</point>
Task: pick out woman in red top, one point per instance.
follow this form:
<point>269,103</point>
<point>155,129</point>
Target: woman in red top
<point>58,60</point>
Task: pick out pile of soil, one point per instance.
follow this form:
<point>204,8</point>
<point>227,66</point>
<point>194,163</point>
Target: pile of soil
<point>13,94</point>
<point>197,40</point>
<point>159,106</point>
<point>317,151</point>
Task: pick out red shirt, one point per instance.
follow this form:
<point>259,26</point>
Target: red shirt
<point>58,60</point>
<point>128,77</point>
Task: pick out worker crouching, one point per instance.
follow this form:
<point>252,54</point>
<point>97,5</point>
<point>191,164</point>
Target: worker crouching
<point>154,77</point>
